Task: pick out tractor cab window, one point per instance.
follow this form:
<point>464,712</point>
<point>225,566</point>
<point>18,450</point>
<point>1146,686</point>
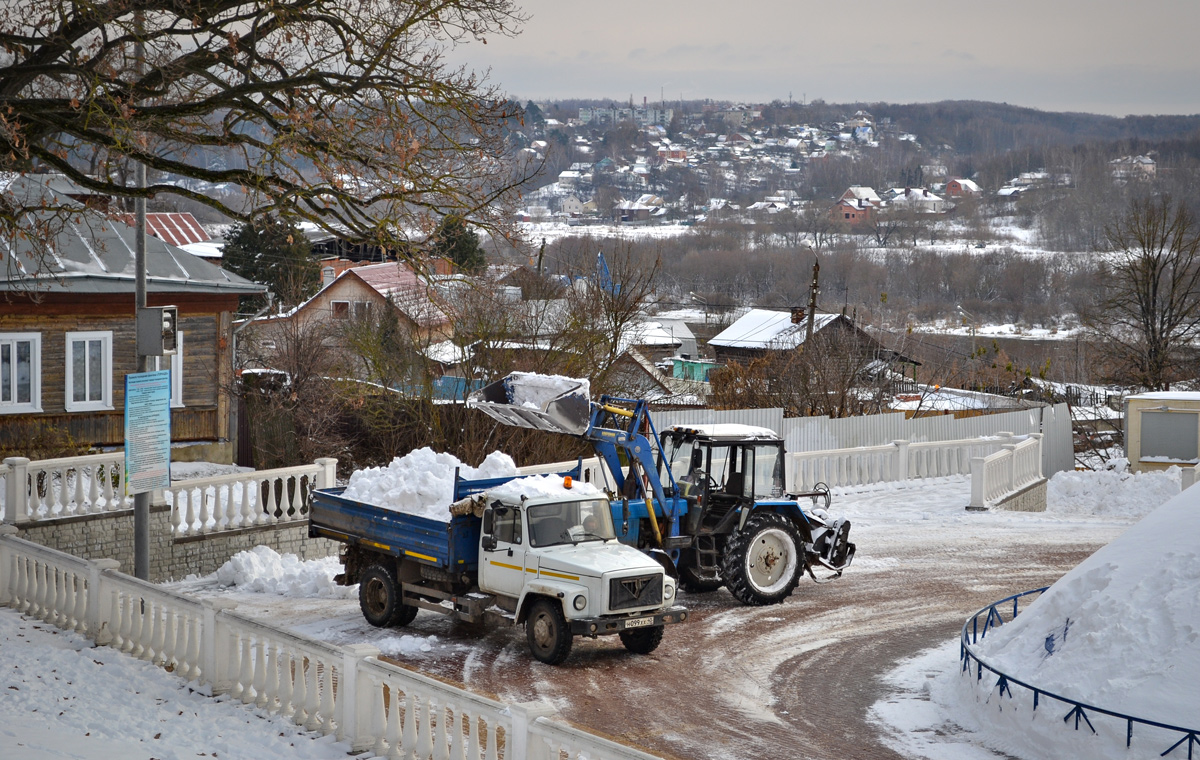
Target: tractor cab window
<point>768,471</point>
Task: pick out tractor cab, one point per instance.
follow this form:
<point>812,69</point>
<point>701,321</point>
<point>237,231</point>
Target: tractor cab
<point>718,468</point>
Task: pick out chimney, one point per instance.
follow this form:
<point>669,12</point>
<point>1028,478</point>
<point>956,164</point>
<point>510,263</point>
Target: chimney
<point>328,275</point>
<point>797,314</point>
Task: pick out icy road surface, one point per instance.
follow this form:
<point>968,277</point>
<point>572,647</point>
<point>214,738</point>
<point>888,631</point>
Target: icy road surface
<point>752,682</point>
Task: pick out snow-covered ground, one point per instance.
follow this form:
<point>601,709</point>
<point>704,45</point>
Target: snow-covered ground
<point>924,713</point>
<point>64,697</point>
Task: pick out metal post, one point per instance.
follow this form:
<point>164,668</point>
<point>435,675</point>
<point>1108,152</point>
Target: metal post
<point>141,501</point>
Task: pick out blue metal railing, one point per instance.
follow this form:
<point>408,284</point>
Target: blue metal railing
<point>971,634</point>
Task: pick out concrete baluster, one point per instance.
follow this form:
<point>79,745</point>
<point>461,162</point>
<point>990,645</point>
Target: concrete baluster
<point>440,748</point>
<point>192,656</point>
<point>166,656</point>
<point>246,674</point>
<point>266,697</point>
<point>411,720</point>
<point>285,683</point>
<point>313,696</point>
<point>491,730</point>
<point>300,691</point>
<point>260,674</point>
<point>395,732</point>
<point>379,715</point>
<point>327,700</point>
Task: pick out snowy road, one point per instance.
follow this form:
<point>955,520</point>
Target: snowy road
<point>742,682</point>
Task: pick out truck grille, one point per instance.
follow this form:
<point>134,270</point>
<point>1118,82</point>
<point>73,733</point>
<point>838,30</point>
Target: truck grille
<point>635,591</point>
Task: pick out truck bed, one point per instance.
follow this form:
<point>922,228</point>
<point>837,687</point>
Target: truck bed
<point>451,545</point>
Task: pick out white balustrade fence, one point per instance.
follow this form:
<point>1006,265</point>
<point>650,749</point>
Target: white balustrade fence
<point>246,500</point>
<point>892,462</point>
<point>347,691</point>
<point>50,488</point>
<point>1005,472</point>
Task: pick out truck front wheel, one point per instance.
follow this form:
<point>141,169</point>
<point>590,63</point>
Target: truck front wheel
<point>548,633</point>
<point>642,640</point>
<point>763,560</point>
<point>379,599</point>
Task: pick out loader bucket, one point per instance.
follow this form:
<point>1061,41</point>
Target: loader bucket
<point>551,403</point>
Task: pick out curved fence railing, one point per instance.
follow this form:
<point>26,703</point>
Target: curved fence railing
<point>973,664</point>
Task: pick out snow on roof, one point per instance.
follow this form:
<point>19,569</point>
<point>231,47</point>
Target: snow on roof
<point>730,430</point>
<point>967,184</point>
<point>1166,396</point>
<point>446,352</point>
<point>760,328</point>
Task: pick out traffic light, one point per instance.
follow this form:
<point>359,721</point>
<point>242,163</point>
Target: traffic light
<point>157,331</point>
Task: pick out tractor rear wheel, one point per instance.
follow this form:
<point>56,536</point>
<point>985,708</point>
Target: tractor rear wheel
<point>763,560</point>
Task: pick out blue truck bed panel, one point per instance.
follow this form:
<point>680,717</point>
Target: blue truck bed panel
<point>452,545</point>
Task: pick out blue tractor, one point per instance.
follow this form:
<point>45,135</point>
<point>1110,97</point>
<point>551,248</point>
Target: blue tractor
<point>708,501</point>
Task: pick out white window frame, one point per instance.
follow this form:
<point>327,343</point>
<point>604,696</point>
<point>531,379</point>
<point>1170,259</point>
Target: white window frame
<point>105,402</point>
<point>35,367</point>
<point>333,312</point>
<point>176,368</point>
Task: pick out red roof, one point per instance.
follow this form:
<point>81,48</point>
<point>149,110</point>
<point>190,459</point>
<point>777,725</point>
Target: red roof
<point>175,229</point>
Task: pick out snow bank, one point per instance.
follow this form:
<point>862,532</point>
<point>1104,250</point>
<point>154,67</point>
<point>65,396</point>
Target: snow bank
<point>1120,631</point>
<point>422,481</point>
<point>263,570</point>
<point>539,486</point>
<point>534,391</point>
<point>1114,492</point>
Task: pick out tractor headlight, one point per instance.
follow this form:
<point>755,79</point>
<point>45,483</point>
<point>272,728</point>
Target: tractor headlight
<point>580,602</point>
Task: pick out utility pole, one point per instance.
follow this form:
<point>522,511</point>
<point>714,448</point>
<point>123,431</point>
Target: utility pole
<point>812,300</point>
<point>141,501</point>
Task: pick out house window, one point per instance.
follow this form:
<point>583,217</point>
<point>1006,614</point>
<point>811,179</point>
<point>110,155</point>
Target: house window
<point>20,372</point>
<point>175,365</point>
<point>89,371</point>
<point>847,216</point>
<point>341,309</point>
<point>362,309</point>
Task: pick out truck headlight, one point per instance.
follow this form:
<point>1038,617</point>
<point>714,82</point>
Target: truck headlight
<point>580,602</point>
<point>668,591</point>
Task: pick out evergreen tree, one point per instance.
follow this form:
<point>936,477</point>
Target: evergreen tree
<point>455,241</point>
<point>276,254</point>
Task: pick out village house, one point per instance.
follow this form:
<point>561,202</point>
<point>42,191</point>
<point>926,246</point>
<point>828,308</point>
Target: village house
<point>67,335</point>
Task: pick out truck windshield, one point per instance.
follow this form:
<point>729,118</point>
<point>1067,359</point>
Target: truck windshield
<point>570,522</point>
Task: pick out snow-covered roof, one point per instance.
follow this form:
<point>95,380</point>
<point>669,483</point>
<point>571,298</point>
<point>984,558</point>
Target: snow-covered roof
<point>731,430</point>
<point>1166,396</point>
<point>760,328</point>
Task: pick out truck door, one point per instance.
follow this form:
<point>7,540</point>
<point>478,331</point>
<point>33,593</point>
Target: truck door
<point>502,569</point>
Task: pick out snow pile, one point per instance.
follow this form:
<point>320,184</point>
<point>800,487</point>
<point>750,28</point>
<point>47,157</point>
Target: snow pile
<point>263,570</point>
<point>422,481</point>
<point>1113,492</point>
<point>67,699</point>
<point>540,486</point>
<point>534,391</point>
<point>1120,631</point>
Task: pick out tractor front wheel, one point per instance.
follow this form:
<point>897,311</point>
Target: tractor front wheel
<point>763,560</point>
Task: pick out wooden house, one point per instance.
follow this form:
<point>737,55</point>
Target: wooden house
<point>67,332</point>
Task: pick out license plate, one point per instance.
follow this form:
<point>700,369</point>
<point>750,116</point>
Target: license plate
<point>639,622</point>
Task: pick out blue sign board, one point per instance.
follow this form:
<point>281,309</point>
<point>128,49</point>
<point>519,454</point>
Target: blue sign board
<point>147,431</point>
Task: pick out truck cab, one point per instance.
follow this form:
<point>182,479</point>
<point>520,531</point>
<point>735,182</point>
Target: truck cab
<point>555,563</point>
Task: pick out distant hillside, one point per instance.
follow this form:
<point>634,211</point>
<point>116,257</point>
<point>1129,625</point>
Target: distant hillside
<point>978,127</point>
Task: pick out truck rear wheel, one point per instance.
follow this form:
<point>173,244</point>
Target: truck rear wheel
<point>379,599</point>
<point>642,640</point>
<point>548,633</point>
<point>763,560</point>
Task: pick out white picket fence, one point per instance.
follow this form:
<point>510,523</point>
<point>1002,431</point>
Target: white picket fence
<point>74,486</point>
<point>346,691</point>
<point>1014,467</point>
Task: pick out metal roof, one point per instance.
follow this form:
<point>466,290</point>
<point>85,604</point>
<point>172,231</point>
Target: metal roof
<point>93,253</point>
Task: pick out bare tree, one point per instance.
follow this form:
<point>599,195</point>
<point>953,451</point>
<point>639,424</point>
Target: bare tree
<point>1149,311</point>
<point>339,112</point>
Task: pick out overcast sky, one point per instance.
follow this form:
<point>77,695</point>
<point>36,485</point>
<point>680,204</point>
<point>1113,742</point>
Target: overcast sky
<point>1098,56</point>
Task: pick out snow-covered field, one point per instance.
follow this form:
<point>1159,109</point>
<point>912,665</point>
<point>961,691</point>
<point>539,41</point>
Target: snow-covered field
<point>921,711</point>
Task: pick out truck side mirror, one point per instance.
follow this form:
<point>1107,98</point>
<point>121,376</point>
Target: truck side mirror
<point>488,543</point>
<point>624,516</point>
<point>488,520</point>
